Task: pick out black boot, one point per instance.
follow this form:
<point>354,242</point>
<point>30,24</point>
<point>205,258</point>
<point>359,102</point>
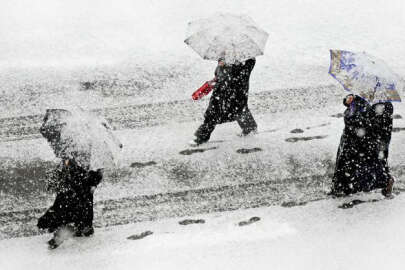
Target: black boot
<point>387,191</point>
<point>87,231</point>
<point>60,235</point>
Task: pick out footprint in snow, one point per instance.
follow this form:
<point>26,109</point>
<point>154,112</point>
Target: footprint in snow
<point>338,115</point>
<point>268,131</point>
<point>297,130</point>
<point>355,202</point>
<point>321,125</point>
<point>216,141</point>
<point>191,221</point>
<point>248,222</point>
<point>292,204</point>
<point>142,164</point>
<point>139,236</point>
<point>296,139</point>
<point>188,152</point>
<point>248,150</point>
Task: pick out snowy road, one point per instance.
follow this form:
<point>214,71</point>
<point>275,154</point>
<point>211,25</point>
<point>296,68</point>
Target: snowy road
<point>146,115</point>
<point>288,163</point>
<point>177,204</point>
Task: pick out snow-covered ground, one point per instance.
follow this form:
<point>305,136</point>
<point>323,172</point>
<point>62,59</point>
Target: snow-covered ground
<point>279,157</point>
<point>281,162</point>
<point>132,52</point>
<point>315,236</point>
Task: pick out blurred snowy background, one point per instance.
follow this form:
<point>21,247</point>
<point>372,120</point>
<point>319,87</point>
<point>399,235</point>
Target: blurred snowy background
<point>104,53</point>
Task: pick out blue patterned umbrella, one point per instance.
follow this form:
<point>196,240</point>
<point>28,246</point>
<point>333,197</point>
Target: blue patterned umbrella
<point>365,75</point>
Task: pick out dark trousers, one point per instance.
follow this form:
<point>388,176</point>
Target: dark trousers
<point>245,121</point>
<point>384,161</point>
<point>69,207</point>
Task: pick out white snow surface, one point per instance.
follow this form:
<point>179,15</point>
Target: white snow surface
<point>48,47</point>
<point>318,235</point>
<point>315,236</point>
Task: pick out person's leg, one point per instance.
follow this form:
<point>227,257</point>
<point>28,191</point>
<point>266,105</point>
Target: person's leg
<point>247,122</point>
<point>387,190</point>
<point>344,169</point>
<point>203,133</point>
<point>341,184</point>
<point>60,235</point>
<point>56,215</point>
<point>58,219</point>
<point>48,221</point>
<point>388,187</point>
<point>84,222</point>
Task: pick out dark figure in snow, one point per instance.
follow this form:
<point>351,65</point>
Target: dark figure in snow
<point>382,128</point>
<point>72,212</point>
<point>357,165</point>
<point>229,100</point>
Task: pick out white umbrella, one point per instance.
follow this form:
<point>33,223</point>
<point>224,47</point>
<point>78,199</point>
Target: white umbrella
<point>365,75</point>
<point>82,135</point>
<point>235,38</point>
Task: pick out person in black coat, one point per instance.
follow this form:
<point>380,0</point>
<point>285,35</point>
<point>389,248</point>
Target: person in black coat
<point>73,206</point>
<point>229,100</point>
<point>357,165</point>
<point>382,127</point>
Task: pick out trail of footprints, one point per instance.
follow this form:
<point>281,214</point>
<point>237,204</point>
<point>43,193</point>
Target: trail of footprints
<point>289,204</point>
<point>191,151</point>
<point>188,152</point>
<point>254,219</point>
<point>186,222</point>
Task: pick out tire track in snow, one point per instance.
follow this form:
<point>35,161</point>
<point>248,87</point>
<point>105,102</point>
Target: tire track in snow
<point>147,115</point>
<point>163,205</point>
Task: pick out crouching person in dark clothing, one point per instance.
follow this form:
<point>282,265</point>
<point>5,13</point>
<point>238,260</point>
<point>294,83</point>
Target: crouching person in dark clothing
<point>229,100</point>
<point>72,212</point>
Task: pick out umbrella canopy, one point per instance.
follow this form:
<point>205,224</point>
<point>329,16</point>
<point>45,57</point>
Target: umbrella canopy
<point>53,123</point>
<point>83,136</point>
<point>234,38</point>
<point>365,75</point>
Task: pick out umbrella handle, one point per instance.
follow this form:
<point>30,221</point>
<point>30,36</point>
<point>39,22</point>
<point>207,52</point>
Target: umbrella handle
<point>378,83</point>
<point>213,81</point>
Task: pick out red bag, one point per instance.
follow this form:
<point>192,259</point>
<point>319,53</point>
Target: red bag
<point>204,90</point>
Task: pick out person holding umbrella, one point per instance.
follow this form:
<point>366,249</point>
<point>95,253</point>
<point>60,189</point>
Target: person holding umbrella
<point>361,162</point>
<point>85,145</point>
<point>357,165</point>
<point>234,41</point>
<point>229,101</point>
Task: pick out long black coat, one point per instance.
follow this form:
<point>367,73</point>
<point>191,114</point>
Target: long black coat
<point>382,125</point>
<point>74,199</point>
<point>230,93</point>
<point>357,165</point>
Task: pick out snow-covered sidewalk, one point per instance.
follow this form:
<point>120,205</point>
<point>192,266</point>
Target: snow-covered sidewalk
<point>315,236</point>
<point>292,158</point>
<point>289,144</point>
